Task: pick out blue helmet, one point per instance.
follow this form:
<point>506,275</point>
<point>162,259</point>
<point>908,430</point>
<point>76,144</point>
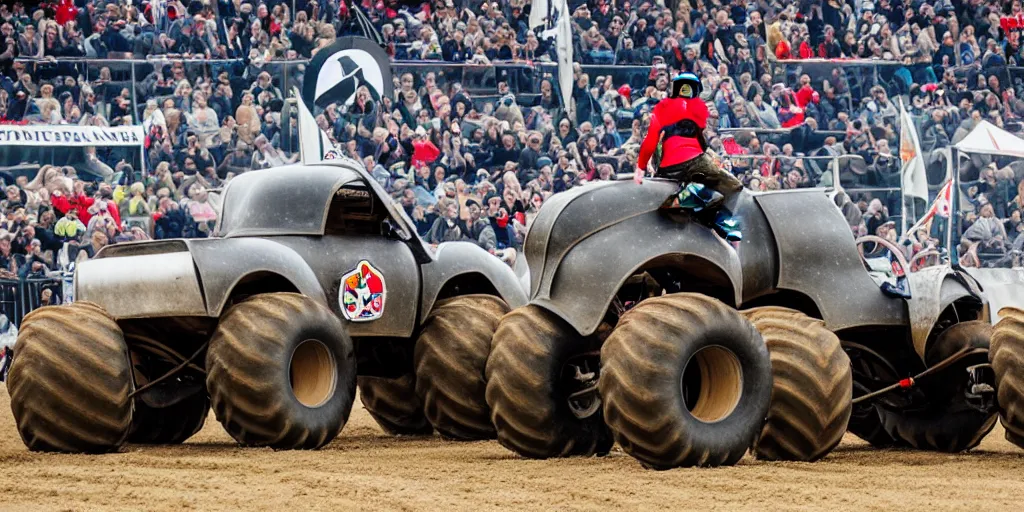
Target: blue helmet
<point>686,85</point>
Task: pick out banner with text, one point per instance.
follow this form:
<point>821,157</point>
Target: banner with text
<point>69,135</point>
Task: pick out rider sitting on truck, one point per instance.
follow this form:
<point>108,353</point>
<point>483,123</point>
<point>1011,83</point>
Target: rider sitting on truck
<point>678,123</point>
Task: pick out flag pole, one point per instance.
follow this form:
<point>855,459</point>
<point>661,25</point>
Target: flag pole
<point>954,207</point>
<point>903,175</point>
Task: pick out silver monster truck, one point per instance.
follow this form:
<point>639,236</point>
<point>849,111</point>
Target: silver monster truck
<point>646,329</point>
<point>314,277</point>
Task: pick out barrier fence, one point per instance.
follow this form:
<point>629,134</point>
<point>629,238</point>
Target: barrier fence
<point>157,78</point>
<point>109,77</point>
<point>19,297</point>
<point>851,78</point>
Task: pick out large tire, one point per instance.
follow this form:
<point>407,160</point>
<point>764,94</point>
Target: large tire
<point>1007,357</point>
<point>950,425</point>
<point>812,386</point>
<point>875,372</point>
<point>450,358</point>
<point>647,380</point>
<point>529,403</point>
<point>393,404</point>
<point>281,372</point>
<point>70,381</point>
<point>169,425</point>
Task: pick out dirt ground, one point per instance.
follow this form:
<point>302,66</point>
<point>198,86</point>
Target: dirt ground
<point>365,470</point>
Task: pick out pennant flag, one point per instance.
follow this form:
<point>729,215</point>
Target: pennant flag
<point>914,179</point>
<point>941,206</point>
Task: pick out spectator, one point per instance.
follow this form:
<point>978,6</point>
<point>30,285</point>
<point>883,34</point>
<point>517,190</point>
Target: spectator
<point>447,228</point>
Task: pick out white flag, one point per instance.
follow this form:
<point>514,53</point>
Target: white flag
<point>538,13</point>
<point>314,145</point>
<point>915,181</point>
<point>564,47</point>
<point>942,206</point>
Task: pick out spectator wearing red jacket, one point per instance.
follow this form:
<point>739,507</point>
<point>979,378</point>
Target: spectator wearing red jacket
<point>424,151</point>
<point>790,113</point>
<point>65,12</point>
<point>77,201</point>
<point>805,48</point>
<point>830,48</point>
<point>804,94</point>
<point>783,51</point>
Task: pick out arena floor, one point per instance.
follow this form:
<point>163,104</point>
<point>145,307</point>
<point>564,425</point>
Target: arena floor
<point>365,470</point>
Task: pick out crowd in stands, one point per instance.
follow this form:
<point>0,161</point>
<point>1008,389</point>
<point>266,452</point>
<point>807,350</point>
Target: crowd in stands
<point>475,142</point>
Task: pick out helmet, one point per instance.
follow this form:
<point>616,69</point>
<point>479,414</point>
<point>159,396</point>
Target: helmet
<point>686,85</point>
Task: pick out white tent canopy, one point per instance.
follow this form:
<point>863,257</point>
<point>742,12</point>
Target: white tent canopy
<point>990,139</point>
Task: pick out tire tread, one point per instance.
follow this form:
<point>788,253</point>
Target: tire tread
<point>450,358</point>
<point>951,427</point>
<point>70,380</point>
<point>637,362</point>
<point>812,386</point>
<point>393,404</point>
<point>526,408</point>
<point>241,366</point>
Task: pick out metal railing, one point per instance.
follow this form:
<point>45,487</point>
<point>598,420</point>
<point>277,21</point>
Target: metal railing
<point>841,172</point>
<point>19,297</point>
<point>777,136</point>
<point>154,78</point>
<point>112,76</point>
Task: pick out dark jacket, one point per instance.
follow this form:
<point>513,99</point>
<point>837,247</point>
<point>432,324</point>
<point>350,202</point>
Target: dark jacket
<point>505,237</point>
<point>452,51</point>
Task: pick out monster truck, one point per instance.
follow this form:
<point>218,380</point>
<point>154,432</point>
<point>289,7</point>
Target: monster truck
<point>634,334</point>
<point>313,278</point>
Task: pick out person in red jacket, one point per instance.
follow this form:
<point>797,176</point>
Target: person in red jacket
<point>66,11</point>
<point>678,122</point>
<point>783,51</point>
<point>805,48</point>
<point>804,94</point>
<point>77,200</point>
<point>424,151</point>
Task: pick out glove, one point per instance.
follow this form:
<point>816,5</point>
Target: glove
<point>638,176</point>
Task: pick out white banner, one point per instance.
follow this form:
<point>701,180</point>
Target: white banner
<point>70,135</point>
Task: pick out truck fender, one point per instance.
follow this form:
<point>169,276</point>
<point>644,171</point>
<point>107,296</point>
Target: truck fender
<point>1003,287</point>
<point>819,259</point>
<point>219,274</point>
<point>584,281</point>
<point>454,259</point>
<point>171,286</point>
<point>933,290</point>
